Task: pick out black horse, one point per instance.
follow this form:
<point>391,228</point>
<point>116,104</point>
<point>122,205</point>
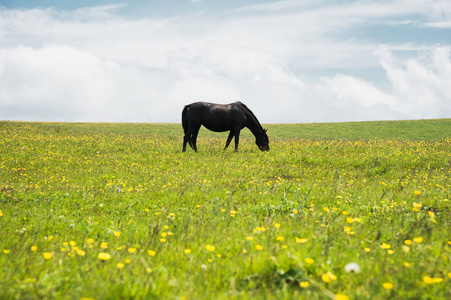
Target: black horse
<point>219,118</point>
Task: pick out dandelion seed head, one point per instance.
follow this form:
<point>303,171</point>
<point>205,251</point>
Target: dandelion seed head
<point>352,268</point>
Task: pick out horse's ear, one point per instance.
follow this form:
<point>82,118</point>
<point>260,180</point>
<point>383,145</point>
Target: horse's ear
<point>266,130</point>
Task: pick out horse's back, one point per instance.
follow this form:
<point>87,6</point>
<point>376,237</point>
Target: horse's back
<point>215,117</point>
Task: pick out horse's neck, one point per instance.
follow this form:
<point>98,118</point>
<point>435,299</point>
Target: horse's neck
<point>254,125</point>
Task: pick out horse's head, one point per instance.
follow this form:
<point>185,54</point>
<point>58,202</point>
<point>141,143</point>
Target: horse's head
<point>262,141</point>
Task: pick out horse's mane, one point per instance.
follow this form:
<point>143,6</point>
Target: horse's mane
<point>250,112</point>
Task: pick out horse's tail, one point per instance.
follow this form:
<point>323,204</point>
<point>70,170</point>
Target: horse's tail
<point>184,121</point>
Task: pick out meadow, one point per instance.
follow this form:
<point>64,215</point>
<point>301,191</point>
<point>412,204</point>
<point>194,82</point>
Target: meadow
<point>333,211</point>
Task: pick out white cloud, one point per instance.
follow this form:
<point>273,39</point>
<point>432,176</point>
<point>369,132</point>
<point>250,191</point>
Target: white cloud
<point>421,84</point>
<point>358,92</point>
<point>93,64</point>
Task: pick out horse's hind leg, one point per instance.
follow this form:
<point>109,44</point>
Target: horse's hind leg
<point>190,143</point>
<point>229,139</point>
<point>193,141</point>
<point>190,138</point>
<point>186,139</point>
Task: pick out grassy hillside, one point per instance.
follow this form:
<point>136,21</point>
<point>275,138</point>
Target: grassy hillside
<point>333,211</point>
<point>413,129</point>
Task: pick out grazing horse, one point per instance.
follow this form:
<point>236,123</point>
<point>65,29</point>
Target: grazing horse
<point>221,117</point>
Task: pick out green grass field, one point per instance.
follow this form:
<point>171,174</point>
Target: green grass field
<point>333,211</point>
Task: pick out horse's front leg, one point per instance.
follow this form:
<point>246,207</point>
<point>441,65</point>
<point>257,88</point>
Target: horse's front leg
<point>229,139</point>
<point>237,138</point>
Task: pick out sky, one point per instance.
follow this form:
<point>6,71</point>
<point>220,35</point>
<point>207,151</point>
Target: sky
<point>289,61</point>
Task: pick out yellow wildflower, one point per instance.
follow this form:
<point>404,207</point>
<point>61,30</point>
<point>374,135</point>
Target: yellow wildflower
<point>304,284</point>
<point>430,280</point>
<point>104,256</point>
<point>210,248</point>
<point>301,241</point>
<point>325,278</point>
<point>387,285</point>
<point>418,240</point>
<point>120,265</point>
<point>151,252</point>
<point>309,261</point>
<point>385,246</point>
<point>331,275</point>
